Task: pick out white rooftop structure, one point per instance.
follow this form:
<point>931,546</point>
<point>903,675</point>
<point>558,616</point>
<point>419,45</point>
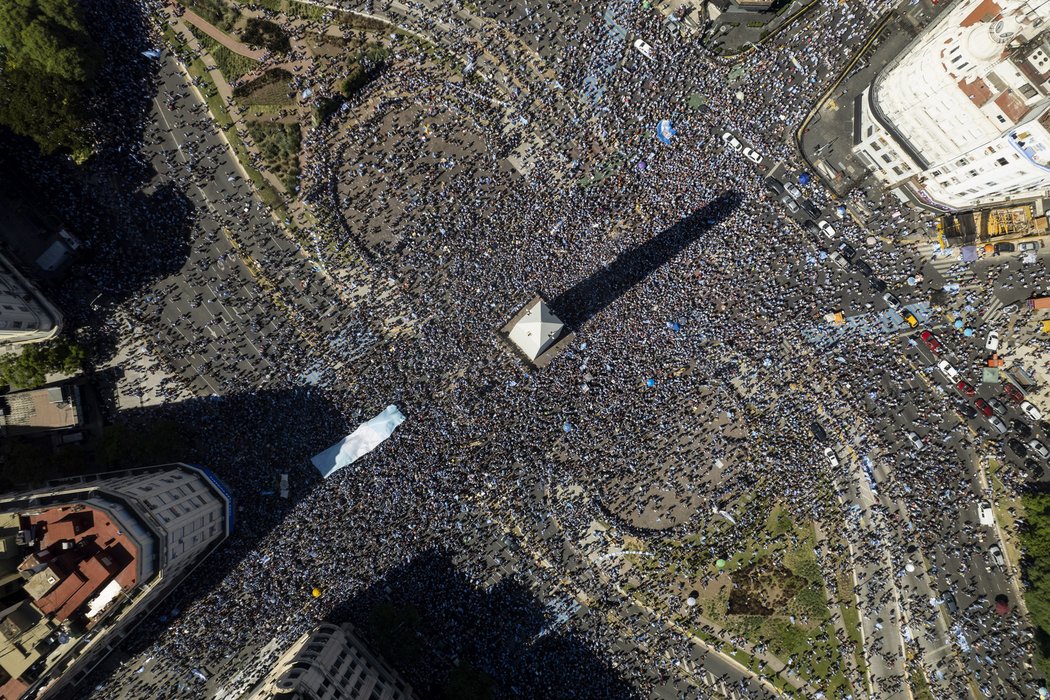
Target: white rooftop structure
<point>537,330</point>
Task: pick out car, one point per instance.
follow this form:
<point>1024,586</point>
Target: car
<point>774,185</point>
<point>931,341</point>
<point>827,228</point>
<point>1011,390</point>
<point>908,317</point>
<point>1018,447</point>
<point>996,555</point>
<point>985,514</point>
<point>914,439</point>
<point>818,431</point>
<point>950,603</point>
<point>862,267</point>
<point>997,423</point>
<point>1039,448</point>
<point>643,48</point>
<point>891,301</point>
<point>848,251</point>
<point>832,458</point>
<point>997,406</point>
<point>811,208</point>
<point>789,203</point>
<point>753,156</point>
<point>983,407</point>
<point>838,260</point>
<point>1031,411</point>
<point>967,410</point>
<point>966,388</point>
<point>1004,248</point>
<point>811,226</point>
<point>991,344</point>
<point>877,284</point>
<point>793,190</point>
<point>1025,246</point>
<point>729,140</point>
<point>1021,428</point>
<point>949,371</point>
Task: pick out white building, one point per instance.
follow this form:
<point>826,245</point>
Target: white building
<point>961,118</point>
<point>26,316</point>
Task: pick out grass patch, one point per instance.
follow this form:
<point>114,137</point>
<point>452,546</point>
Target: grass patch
<point>920,688</point>
<point>270,88</point>
<point>215,12</point>
<point>1003,504</point>
<point>305,10</point>
<point>233,66</point>
<point>279,146</point>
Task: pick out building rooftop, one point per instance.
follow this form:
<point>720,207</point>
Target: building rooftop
<point>40,410</point>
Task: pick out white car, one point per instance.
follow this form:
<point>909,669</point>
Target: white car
<point>833,459</point>
<point>838,259</point>
<point>949,371</point>
<point>753,156</point>
<point>1039,448</point>
<point>985,514</point>
<point>730,140</point>
<point>891,301</point>
<point>826,228</point>
<point>914,439</point>
<point>997,423</point>
<point>643,48</point>
<point>1031,411</point>
<point>992,343</point>
<point>792,190</point>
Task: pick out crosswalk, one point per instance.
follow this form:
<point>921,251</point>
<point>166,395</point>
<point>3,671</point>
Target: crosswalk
<point>947,266</point>
<point>994,312</point>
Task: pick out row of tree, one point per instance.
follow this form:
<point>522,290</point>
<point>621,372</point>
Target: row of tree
<point>30,368</point>
<point>48,61</point>
<point>1035,539</point>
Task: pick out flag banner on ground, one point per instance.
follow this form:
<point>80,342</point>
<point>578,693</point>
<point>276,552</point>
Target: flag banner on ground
<point>357,444</point>
<point>152,53</point>
<point>664,131</point>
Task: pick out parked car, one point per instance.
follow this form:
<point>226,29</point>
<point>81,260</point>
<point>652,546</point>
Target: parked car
<point>832,458</point>
<point>793,190</point>
<point>991,344</point>
<point>983,407</point>
<point>1039,448</point>
<point>812,227</point>
<point>838,259</point>
<point>996,555</point>
<point>730,141</point>
<point>997,406</point>
<point>789,203</point>
<point>818,431</point>
<point>753,156</point>
<point>826,228</point>
<point>1011,390</point>
<point>848,251</point>
<point>914,439</point>
<point>774,185</point>
<point>1025,246</point>
<point>931,341</point>
<point>966,388</point>
<point>967,410</point>
<point>908,317</point>
<point>643,48</point>
<point>877,284</point>
<point>1018,447</point>
<point>1031,411</point>
<point>950,603</point>
<point>1021,428</point>
<point>1004,248</point>
<point>891,301</point>
<point>811,208</point>
<point>997,423</point>
<point>949,371</point>
<point>862,267</point>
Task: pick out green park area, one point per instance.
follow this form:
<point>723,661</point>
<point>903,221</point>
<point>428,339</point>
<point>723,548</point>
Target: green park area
<point>769,591</point>
<point>1035,542</point>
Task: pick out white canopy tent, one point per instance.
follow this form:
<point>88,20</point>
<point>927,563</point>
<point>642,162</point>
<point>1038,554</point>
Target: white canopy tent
<point>536,331</point>
<point>357,444</point>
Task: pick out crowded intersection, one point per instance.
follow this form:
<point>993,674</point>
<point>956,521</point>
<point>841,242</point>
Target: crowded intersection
<point>525,160</point>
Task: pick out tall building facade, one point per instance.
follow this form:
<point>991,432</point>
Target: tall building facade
<point>26,316</point>
<point>960,118</point>
<point>82,560</point>
<point>331,663</point>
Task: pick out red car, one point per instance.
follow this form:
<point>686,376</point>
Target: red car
<point>965,388</point>
<point>1013,392</point>
<point>983,407</point>
<point>931,341</point>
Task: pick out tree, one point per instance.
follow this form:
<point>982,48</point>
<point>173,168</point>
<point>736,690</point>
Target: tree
<point>29,369</point>
<point>1035,539</point>
<point>47,62</point>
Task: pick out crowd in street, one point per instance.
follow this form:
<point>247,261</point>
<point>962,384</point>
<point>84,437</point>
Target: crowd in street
<point>455,240</point>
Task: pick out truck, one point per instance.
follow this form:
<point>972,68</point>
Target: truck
<point>1039,303</point>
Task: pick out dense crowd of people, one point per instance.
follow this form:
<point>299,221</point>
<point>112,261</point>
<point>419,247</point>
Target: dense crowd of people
<point>412,180</point>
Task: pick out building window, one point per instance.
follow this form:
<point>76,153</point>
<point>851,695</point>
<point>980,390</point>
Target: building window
<point>886,158</point>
